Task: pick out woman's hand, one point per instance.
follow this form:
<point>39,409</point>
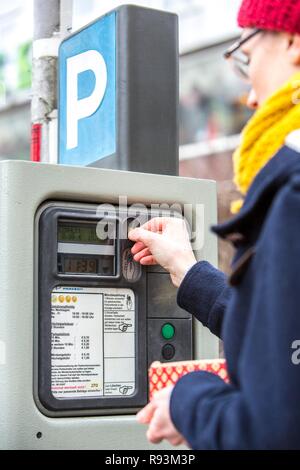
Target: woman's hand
<point>164,241</point>
<point>157,415</point>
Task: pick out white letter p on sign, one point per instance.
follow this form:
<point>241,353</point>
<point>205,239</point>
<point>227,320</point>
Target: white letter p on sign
<point>81,108</point>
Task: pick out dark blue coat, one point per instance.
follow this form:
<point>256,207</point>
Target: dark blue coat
<point>257,314</point>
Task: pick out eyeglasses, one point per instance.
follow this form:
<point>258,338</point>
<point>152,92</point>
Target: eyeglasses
<point>239,61</point>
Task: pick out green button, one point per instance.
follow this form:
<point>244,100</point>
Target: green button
<point>168,331</point>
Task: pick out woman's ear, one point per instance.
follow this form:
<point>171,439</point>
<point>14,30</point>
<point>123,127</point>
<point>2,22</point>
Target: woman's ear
<point>294,49</point>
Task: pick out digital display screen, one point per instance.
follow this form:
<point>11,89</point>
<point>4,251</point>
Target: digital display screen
<point>80,265</point>
<point>86,265</point>
<point>85,233</point>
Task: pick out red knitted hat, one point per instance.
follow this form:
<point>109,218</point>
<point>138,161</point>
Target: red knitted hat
<point>275,15</point>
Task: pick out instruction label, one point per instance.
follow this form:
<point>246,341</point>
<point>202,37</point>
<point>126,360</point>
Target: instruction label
<point>92,342</point>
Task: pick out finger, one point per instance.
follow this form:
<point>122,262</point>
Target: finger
<point>138,246</point>
<point>142,254</point>
<point>144,236</point>
<point>156,224</point>
<point>153,436</point>
<point>148,261</point>
<point>146,414</point>
<point>137,234</point>
<point>156,431</point>
<point>176,441</point>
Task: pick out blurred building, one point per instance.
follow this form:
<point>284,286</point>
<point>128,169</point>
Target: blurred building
<point>212,110</point>
<point>16,26</point>
<point>212,115</point>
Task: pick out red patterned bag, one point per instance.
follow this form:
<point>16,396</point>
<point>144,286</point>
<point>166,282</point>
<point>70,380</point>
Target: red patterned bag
<point>162,375</point>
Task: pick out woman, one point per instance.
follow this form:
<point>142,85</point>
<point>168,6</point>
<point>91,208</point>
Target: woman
<point>256,311</point>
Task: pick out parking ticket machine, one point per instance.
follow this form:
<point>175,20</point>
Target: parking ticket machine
<point>80,320</point>
<point>100,320</point>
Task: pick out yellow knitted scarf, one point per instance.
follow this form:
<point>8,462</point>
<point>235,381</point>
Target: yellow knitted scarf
<point>265,133</point>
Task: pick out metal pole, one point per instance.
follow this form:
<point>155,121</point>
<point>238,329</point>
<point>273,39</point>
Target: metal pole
<point>66,16</point>
<point>44,80</point>
<point>46,18</point>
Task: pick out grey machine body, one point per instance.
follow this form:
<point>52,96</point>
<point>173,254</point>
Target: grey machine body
<point>25,188</point>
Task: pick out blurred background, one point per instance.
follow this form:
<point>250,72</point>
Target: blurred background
<point>212,98</point>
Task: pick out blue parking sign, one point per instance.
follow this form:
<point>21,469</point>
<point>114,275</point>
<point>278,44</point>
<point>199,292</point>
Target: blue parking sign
<point>87,94</point>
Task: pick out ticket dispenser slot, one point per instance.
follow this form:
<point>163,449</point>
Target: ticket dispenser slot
<point>102,318</point>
